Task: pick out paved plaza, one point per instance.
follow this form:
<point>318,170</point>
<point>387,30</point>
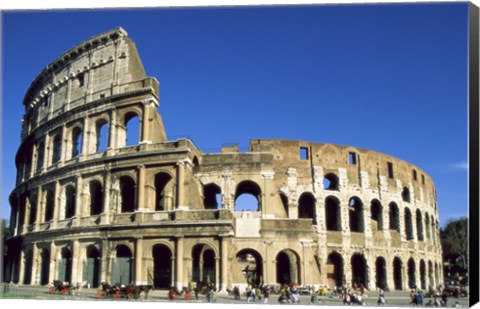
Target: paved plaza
<point>159,297</point>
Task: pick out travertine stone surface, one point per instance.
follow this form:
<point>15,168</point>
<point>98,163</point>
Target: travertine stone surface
<point>162,212</point>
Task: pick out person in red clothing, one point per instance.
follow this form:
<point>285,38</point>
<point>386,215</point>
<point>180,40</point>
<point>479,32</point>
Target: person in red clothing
<point>171,294</point>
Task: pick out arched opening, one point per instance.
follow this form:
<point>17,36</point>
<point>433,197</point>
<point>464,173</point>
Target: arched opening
<point>427,225</point>
<point>380,273</point>
<point>21,211</point>
<point>27,275</point>
<point>432,222</point>
<point>397,274</point>
<point>203,265</point>
<point>411,273</point>
<point>70,202</point>
<point>132,125</point>
<point>49,205</point>
<point>406,195</point>
<point>77,140</point>
<point>163,192</point>
<point>33,209</point>
<point>359,270</point>
<point>251,265</point>
<point>122,266</point>
<point>127,193</point>
<point>102,135</point>
<point>306,207</point>
<point>40,156</point>
<point>284,200</point>
<point>419,225</point>
<point>288,267</point>
<point>65,266</point>
<point>248,197</point>
<point>45,267</point>
<point>57,148</point>
<point>162,266</point>
<point>423,275</point>
<point>332,214</point>
<point>96,198</point>
<point>334,270</point>
<point>376,214</point>
<point>330,182</point>
<point>212,196</point>
<point>355,215</point>
<point>408,224</point>
<point>394,216</point>
<point>430,274</point>
<point>91,270</point>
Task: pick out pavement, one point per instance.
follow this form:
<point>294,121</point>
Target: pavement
<point>159,297</point>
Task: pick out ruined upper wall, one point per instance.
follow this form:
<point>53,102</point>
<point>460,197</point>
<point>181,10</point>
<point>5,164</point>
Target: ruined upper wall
<point>102,66</point>
<point>364,168</point>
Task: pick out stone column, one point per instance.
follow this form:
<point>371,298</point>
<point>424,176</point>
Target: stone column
<point>180,185</point>
<point>21,267</point>
<point>75,261</point>
<point>86,139</point>
<point>79,205</point>
<point>64,149</point>
<point>35,268</point>
<point>26,219</point>
<point>145,133</point>
<point>179,278</point>
<point>105,262</point>
<point>224,262</point>
<point>38,215</point>
<point>306,244</point>
<point>53,263</point>
<point>139,273</point>
<point>56,205</point>
<point>267,270</point>
<point>112,142</point>
<point>141,188</point>
<point>105,218</point>
<point>217,271</point>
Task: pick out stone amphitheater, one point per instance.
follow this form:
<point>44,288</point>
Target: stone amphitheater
<point>90,205</point>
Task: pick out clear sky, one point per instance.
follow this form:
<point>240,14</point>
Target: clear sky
<point>390,78</point>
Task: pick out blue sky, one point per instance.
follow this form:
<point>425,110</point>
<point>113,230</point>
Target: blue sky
<point>390,78</point>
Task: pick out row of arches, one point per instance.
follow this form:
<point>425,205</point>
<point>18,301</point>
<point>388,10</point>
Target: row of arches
<point>164,185</point>
<point>70,143</point>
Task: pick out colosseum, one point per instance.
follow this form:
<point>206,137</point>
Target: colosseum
<point>90,205</point>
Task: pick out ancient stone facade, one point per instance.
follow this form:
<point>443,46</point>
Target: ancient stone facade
<point>92,206</point>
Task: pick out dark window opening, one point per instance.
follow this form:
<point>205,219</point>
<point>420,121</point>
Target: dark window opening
<point>57,148</point>
<point>163,192</point>
<point>356,215</point>
<point>212,196</point>
<point>390,169</point>
<point>394,217</point>
<point>408,224</point>
<point>419,225</point>
<point>127,189</point>
<point>415,175</point>
<point>80,79</point>
<point>70,202</point>
<point>306,208</point>
<point>376,215</point>
<point>406,195</point>
<point>330,182</point>
<point>332,214</point>
<point>50,205</point>
<point>352,158</point>
<point>303,153</point>
<point>423,179</point>
<point>96,198</point>
<point>77,139</point>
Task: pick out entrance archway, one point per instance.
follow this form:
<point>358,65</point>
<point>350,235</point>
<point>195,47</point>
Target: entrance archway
<point>411,273</point>
<point>45,267</point>
<point>359,270</point>
<point>380,273</point>
<point>203,264</point>
<point>122,266</point>
<point>65,266</point>
<point>288,267</point>
<point>91,271</point>
<point>334,269</point>
<point>162,266</point>
<point>251,264</point>
<point>397,273</point>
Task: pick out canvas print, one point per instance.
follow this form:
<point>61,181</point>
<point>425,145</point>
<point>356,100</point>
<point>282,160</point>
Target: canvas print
<point>301,154</point>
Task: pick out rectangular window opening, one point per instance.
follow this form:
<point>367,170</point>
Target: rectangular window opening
<point>303,153</point>
<point>423,179</point>
<point>415,175</point>
<point>390,169</point>
<point>352,158</point>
